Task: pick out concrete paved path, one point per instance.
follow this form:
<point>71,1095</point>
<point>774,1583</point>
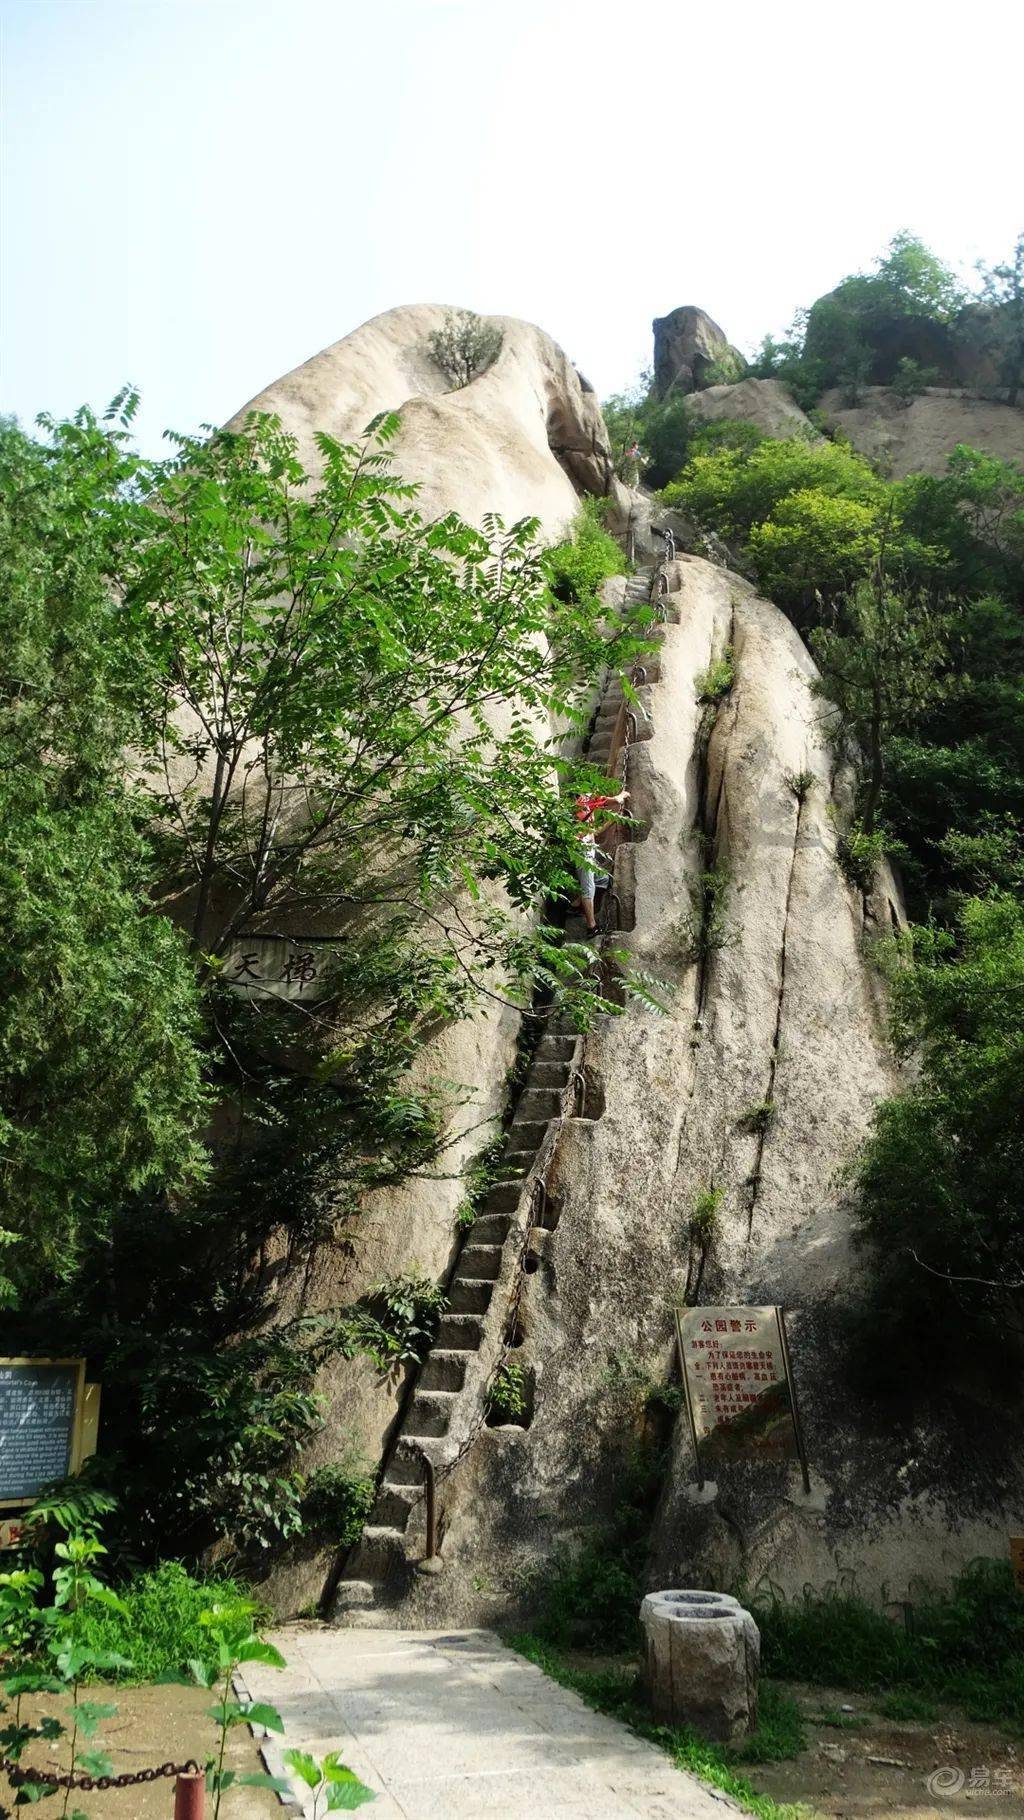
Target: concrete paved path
<point>454,1726</point>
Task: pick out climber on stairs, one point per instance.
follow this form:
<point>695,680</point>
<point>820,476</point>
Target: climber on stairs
<point>587,806</point>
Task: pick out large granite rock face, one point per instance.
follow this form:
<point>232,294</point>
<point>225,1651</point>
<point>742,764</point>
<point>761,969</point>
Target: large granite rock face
<point>690,352</point>
<point>918,437</point>
<point>899,436</point>
<point>785,1009</point>
<point>523,439</point>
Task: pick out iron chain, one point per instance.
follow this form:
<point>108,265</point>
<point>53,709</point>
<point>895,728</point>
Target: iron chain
<point>131,1778</point>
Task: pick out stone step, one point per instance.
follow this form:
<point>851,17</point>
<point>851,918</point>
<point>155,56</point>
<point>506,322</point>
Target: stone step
<point>538,1103</point>
<point>479,1261</point>
<point>469,1297</point>
<point>442,1370</point>
<point>555,1045</point>
<point>460,1332</point>
<point>502,1198</point>
<point>379,1550</point>
<point>491,1229</point>
<point>429,1413</point>
<point>394,1505</point>
<point>517,1163</point>
<point>354,1595</point>
<point>405,1467</point>
<point>548,1077</point>
<point>526,1134</point>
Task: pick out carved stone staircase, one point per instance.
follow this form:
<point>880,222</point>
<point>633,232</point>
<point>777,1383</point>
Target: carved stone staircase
<point>447,1406</point>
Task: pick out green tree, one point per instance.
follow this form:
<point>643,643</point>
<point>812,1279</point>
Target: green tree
<point>585,558</point>
<point>938,1181</point>
<point>343,718</point>
<point>102,1096</point>
<point>881,672</point>
<point>917,282</point>
<point>814,544</point>
<point>1003,288</point>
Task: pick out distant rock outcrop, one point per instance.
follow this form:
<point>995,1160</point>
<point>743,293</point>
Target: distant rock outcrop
<point>918,436</point>
<point>691,352</point>
<point>764,402</point>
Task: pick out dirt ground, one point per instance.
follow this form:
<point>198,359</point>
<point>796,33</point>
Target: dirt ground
<point>869,1766</point>
<point>158,1725</point>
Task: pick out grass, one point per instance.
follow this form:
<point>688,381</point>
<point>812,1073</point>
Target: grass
<point>907,1705</point>
<point>159,1631</point>
<point>614,1691</point>
<point>965,1648</point>
<point>840,1721</point>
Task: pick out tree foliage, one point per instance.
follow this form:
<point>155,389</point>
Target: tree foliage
<point>938,1182</point>
<point>100,1076</point>
<point>1002,289</point>
<point>241,699</point>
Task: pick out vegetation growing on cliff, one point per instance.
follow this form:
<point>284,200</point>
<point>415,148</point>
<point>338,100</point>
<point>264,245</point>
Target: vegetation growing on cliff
<point>910,594</point>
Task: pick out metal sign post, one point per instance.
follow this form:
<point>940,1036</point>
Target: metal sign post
<point>794,1407</point>
<point>689,1403</point>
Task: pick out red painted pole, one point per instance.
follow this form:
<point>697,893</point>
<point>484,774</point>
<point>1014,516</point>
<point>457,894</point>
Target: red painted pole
<point>190,1795</point>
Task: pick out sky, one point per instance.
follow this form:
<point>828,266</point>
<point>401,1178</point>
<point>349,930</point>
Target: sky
<point>197,195</point>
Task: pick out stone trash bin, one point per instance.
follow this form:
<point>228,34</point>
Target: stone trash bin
<point>702,1655</point>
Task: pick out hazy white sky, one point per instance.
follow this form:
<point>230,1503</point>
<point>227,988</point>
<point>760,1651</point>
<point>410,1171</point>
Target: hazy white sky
<point>199,194</point>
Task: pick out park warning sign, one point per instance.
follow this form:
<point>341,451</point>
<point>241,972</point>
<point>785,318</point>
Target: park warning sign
<point>738,1384</point>
<point>42,1412</point>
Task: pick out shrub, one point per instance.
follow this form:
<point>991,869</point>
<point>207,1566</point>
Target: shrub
<point>911,379</point>
<point>703,928</point>
<point>801,783</point>
<point>731,489</point>
<point>404,1310</point>
<point>714,683</point>
<point>860,855</point>
<point>506,1396</point>
<point>758,1118</point>
<point>704,1218</point>
<point>338,1500</point>
<point>465,346</point>
<point>587,557</point>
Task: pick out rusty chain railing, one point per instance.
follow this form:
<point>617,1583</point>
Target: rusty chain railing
<point>17,1774</point>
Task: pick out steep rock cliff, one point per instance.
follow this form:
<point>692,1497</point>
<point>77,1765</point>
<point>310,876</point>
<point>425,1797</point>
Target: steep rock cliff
<point>787,1009</point>
<point>523,439</point>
